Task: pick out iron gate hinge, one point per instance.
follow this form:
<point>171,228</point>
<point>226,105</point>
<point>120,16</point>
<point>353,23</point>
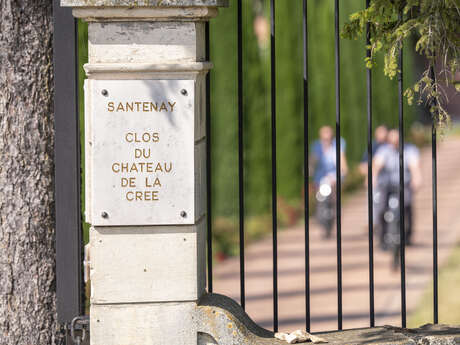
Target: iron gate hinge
<point>79,329</point>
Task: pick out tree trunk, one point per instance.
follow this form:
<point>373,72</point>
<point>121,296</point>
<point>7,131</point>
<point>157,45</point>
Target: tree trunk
<point>27,232</point>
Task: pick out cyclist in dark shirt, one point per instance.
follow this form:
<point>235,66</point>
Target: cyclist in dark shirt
<point>380,138</point>
<point>386,173</point>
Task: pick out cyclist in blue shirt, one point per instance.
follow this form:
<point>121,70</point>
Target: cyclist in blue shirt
<point>324,163</point>
<point>324,156</point>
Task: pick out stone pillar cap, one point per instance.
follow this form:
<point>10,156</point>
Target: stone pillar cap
<point>144,3</point>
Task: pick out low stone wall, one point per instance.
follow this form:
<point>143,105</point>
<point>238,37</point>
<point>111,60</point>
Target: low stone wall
<point>426,335</point>
<point>222,321</point>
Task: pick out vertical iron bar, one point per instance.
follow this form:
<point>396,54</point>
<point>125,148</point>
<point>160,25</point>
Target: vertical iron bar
<point>435,225</point>
<point>369,180</point>
<point>306,166</point>
<point>240,152</point>
<point>274,175</point>
<point>208,161</point>
<point>338,163</point>
<point>402,227</point>
<point>435,211</point>
<point>69,282</point>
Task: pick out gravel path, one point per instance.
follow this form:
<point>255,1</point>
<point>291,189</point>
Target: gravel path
<point>355,260</point>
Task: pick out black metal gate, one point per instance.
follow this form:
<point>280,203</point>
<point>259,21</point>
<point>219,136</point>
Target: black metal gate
<point>69,246</point>
<point>273,70</point>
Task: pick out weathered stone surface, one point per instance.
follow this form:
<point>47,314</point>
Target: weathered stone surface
<point>149,14</point>
<point>226,323</point>
<point>143,324</point>
<point>144,3</point>
<point>431,334</point>
<point>147,264</point>
<point>378,335</point>
<point>146,42</point>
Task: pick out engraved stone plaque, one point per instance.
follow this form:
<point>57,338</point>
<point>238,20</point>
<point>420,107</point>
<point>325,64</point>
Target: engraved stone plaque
<point>141,149</point>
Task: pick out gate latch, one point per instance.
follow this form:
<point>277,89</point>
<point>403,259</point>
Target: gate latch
<point>79,329</point>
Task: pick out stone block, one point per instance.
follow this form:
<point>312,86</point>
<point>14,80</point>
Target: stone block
<point>144,3</point>
<point>144,324</point>
<point>146,42</point>
<point>147,264</point>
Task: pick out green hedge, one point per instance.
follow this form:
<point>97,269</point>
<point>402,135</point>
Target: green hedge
<point>289,82</point>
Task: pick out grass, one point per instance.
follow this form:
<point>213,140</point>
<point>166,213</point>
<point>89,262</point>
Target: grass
<point>449,298</point>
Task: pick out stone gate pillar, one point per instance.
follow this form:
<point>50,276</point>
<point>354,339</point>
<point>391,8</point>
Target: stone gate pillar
<point>145,167</point>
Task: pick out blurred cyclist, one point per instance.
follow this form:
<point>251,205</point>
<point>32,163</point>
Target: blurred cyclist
<point>324,177</point>
<point>380,138</point>
<point>324,156</point>
<point>386,176</point>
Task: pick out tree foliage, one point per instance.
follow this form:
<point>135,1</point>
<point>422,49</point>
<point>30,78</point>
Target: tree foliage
<point>435,23</point>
